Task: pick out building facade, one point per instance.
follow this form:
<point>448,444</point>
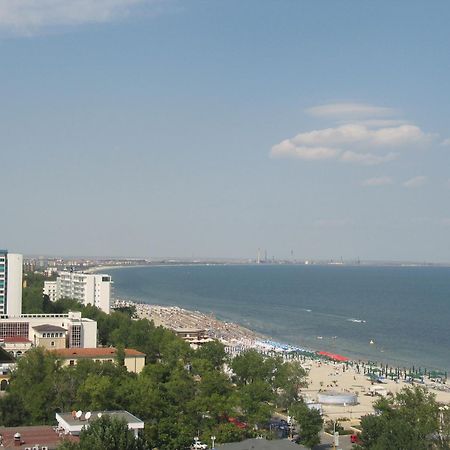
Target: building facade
<point>51,290</point>
<point>134,360</point>
<point>43,329</point>
<point>10,283</point>
<point>87,288</point>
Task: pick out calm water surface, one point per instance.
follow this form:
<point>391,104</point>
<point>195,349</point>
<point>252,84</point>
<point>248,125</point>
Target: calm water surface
<point>404,310</point>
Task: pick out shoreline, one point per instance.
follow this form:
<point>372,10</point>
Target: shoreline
<point>366,380</point>
<point>354,343</point>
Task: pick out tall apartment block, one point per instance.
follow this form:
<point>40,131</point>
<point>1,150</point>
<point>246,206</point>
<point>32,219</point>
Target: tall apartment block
<point>51,290</point>
<point>87,288</point>
<point>10,283</point>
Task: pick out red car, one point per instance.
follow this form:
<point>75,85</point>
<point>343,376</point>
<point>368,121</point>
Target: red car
<point>354,439</point>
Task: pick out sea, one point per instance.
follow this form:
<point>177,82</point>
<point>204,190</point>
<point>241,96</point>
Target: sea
<point>388,314</point>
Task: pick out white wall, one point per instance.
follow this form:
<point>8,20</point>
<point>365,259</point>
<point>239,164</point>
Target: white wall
<point>103,293</point>
<point>51,289</point>
<point>88,326</point>
<point>86,288</point>
<point>14,284</point>
<point>89,336</point>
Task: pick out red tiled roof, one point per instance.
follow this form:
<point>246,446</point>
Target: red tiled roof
<point>44,435</point>
<point>15,339</point>
<point>75,353</point>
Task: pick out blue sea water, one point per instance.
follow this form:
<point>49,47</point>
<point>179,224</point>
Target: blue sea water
<point>404,310</point>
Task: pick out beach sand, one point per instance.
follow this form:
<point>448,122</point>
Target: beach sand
<point>331,376</point>
<point>323,375</point>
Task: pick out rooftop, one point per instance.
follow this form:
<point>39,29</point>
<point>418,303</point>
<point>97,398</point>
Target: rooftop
<point>31,436</point>
<point>261,444</point>
<point>47,327</point>
<point>72,424</point>
<point>75,353</point>
<point>14,339</point>
<point>71,419</point>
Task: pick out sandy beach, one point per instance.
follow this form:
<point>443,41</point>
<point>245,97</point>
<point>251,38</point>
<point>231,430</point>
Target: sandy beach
<point>323,374</point>
<point>174,318</point>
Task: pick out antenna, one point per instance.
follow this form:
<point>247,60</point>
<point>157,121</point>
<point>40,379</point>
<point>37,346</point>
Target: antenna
<point>78,414</point>
<point>88,415</point>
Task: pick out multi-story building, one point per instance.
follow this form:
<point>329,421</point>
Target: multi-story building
<point>87,288</point>
<point>51,290</point>
<point>51,330</point>
<point>10,283</point>
<point>133,360</point>
<point>16,345</point>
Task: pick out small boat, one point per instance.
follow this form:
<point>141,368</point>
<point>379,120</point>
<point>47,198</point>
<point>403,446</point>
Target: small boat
<point>319,337</point>
<point>371,342</point>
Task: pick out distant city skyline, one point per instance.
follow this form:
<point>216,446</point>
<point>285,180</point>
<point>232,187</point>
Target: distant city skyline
<point>152,128</point>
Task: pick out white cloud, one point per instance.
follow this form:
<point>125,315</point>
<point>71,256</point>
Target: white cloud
<point>378,123</point>
<point>359,141</point>
<point>361,135</point>
<point>288,149</point>
<point>348,110</point>
<point>30,16</point>
<point>377,181</point>
<point>446,142</point>
<point>415,182</point>
<point>366,159</point>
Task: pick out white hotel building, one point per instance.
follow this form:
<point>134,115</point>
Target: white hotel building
<point>71,330</point>
<point>10,283</point>
<point>87,288</point>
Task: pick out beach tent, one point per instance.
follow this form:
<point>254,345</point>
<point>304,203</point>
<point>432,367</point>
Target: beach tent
<point>333,356</point>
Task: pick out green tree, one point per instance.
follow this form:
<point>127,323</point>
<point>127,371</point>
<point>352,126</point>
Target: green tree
<point>310,423</point>
<point>12,411</point>
<point>34,382</point>
<point>410,420</point>
<point>97,393</point>
<point>120,355</point>
<point>289,378</point>
<point>226,432</point>
<point>32,297</point>
<point>106,433</point>
<point>248,367</point>
<point>213,353</point>
<point>255,401</point>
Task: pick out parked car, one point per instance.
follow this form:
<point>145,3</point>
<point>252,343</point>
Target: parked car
<point>354,439</point>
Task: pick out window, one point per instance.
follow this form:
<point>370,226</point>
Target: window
<point>71,362</point>
<point>75,336</point>
<point>52,343</point>
<point>12,329</point>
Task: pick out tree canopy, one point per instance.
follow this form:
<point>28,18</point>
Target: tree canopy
<point>410,420</point>
<point>181,392</point>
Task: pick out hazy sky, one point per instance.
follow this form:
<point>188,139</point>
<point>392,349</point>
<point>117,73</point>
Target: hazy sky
<point>212,128</point>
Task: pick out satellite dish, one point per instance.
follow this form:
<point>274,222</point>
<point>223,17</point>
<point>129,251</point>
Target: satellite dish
<point>88,415</point>
<point>78,414</point>
<point>99,415</point>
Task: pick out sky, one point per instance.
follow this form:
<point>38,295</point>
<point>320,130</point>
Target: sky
<point>204,128</point>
